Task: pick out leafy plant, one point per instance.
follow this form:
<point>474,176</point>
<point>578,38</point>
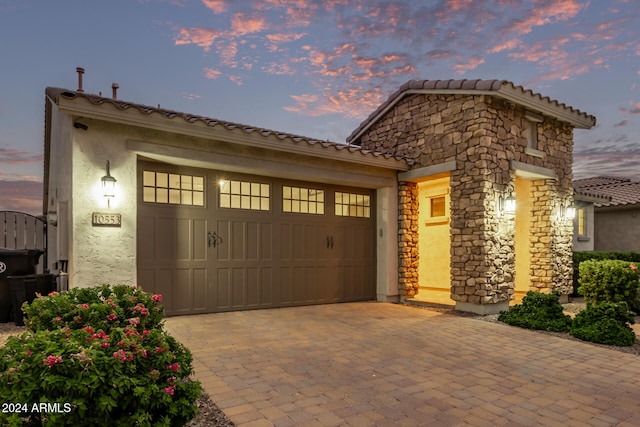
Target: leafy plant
<point>103,307</point>
<point>125,371</point>
<point>610,280</point>
<point>605,323</point>
<point>538,311</point>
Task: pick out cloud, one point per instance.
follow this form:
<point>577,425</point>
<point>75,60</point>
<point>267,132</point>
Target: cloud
<point>598,157</point>
<point>202,37</point>
<point>20,195</point>
<point>342,47</point>
<point>621,123</point>
<point>216,6</point>
<point>15,157</point>
<point>635,109</point>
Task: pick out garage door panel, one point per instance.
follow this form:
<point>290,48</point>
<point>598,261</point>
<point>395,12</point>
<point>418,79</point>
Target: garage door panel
<point>183,290</point>
<point>165,233</point>
<point>223,288</point>
<point>146,238</point>
<point>223,230</point>
<point>266,242</point>
<point>200,286</point>
<point>183,237</point>
<point>266,286</point>
<point>238,287</point>
<point>238,239</point>
<point>164,286</point>
<point>199,243</point>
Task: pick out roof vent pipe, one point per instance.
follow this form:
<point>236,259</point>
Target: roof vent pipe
<point>114,89</point>
<point>80,72</point>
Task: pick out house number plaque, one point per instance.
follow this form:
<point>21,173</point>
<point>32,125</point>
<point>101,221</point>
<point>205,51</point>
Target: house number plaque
<point>100,219</point>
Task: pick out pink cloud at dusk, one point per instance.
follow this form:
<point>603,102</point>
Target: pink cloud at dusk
<point>21,195</point>
<point>462,35</point>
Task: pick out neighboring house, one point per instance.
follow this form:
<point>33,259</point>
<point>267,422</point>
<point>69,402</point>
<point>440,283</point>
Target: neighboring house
<point>615,224</point>
<point>220,216</point>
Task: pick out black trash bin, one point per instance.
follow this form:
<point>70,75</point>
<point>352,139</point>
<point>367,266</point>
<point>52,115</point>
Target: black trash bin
<point>24,289</point>
<point>14,262</point>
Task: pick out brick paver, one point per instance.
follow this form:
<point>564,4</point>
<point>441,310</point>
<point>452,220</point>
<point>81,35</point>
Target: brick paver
<point>362,364</point>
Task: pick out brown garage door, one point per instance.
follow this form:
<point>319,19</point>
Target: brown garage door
<point>213,241</point>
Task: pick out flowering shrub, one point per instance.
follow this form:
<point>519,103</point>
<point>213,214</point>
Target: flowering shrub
<point>610,280</point>
<point>103,307</point>
<point>111,372</point>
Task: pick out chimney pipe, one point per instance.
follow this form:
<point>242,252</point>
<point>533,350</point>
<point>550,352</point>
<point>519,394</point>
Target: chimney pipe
<point>80,72</point>
<point>114,88</point>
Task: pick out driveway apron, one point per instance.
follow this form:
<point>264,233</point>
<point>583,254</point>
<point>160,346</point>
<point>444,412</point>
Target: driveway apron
<point>365,364</point>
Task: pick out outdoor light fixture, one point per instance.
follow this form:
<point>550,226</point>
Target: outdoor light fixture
<point>507,206</point>
<point>108,185</point>
<point>568,212</point>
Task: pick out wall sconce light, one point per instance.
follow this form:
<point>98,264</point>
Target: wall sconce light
<point>507,206</point>
<point>567,212</point>
<point>108,185</point>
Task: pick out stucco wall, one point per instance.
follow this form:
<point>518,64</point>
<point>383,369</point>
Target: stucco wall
<point>484,136</point>
<point>103,254</point>
<point>617,230</point>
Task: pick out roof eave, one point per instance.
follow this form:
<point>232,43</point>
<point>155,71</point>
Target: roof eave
<point>542,106</point>
<point>107,112</point>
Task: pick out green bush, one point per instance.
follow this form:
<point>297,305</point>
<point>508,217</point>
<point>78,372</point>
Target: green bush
<point>579,257</point>
<point>121,373</point>
<point>102,307</point>
<point>610,280</point>
<point>538,311</point>
<point>605,323</point>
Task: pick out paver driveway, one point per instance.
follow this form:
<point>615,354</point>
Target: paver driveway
<point>361,364</point>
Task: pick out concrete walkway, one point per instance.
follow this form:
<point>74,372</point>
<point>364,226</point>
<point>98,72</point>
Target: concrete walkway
<point>364,364</point>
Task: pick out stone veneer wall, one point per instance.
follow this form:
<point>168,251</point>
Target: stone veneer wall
<point>483,135</point>
<point>408,238</point>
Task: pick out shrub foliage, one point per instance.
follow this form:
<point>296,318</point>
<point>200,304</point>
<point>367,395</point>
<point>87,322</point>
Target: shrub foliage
<point>605,323</point>
<point>610,280</point>
<point>538,311</point>
<point>97,356</point>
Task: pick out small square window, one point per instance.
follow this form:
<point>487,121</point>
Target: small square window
<point>438,207</point>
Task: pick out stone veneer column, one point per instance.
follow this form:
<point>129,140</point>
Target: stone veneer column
<point>551,241</point>
<point>408,239</point>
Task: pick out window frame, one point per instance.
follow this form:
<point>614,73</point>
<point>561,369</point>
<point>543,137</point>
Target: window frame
<point>532,120</point>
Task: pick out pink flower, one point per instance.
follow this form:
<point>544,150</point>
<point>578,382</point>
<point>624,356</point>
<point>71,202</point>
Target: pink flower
<point>28,352</point>
<point>112,316</point>
<point>135,321</point>
<point>105,344</point>
<point>52,360</point>
<point>173,367</point>
<point>58,319</point>
<point>53,293</point>
<point>156,298</point>
<point>633,267</point>
<point>169,390</point>
<point>85,306</point>
<point>146,332</point>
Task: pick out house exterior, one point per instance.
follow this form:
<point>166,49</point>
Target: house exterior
<point>615,222</point>
<point>473,144</point>
<point>220,216</point>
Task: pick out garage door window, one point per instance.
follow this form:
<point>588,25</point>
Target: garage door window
<point>302,200</point>
<point>244,195</point>
<point>175,189</point>
<point>351,204</point>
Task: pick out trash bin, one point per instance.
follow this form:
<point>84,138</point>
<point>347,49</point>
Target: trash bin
<point>14,262</point>
<point>24,288</point>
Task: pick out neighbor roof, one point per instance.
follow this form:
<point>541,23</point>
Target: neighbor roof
<point>621,192</point>
<point>499,88</point>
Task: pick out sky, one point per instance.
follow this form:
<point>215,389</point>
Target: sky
<point>314,68</point>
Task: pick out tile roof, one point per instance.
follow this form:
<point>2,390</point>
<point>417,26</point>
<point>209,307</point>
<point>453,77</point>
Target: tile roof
<point>500,88</point>
<point>620,191</point>
<point>56,93</point>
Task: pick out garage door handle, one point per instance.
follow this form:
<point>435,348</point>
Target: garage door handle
<point>329,242</point>
<point>214,239</point>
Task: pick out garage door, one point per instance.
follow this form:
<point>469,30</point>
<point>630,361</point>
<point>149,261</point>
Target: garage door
<point>213,241</point>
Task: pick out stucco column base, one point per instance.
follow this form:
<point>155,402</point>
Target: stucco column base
<point>482,309</point>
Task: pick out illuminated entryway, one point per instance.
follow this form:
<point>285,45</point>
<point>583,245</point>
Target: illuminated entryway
<point>434,245</point>
<point>523,243</point>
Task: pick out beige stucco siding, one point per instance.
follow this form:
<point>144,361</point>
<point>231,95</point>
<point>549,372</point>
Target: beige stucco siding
<point>617,230</point>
